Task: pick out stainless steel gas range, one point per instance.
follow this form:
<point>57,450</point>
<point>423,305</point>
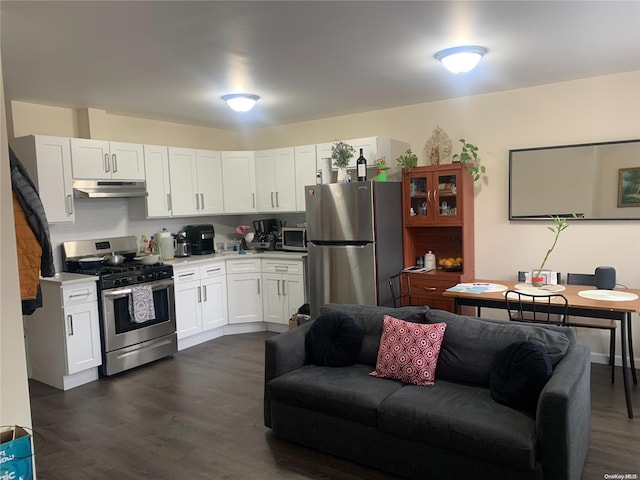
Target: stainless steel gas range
<point>136,302</point>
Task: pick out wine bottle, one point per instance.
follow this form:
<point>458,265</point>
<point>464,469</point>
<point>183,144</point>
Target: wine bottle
<point>361,165</point>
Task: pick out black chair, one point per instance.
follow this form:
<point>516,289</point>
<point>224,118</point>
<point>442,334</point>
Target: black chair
<point>395,284</point>
<point>548,308</point>
<point>589,279</point>
<point>522,277</point>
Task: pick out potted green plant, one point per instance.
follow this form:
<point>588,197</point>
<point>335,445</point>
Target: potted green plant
<point>408,160</point>
<point>561,224</point>
<point>381,169</point>
<point>469,156</point>
<point>341,153</point>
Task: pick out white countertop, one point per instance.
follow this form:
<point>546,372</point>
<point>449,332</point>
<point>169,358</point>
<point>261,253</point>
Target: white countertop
<point>67,278</point>
<point>234,256</point>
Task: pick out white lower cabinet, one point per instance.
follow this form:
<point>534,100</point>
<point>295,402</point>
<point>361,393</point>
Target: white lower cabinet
<point>201,298</point>
<point>63,336</point>
<point>283,285</point>
<point>244,290</point>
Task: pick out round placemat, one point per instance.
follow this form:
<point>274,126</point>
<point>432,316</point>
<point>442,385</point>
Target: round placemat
<point>608,295</point>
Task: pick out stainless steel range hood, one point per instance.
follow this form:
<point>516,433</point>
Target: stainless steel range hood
<point>108,189</point>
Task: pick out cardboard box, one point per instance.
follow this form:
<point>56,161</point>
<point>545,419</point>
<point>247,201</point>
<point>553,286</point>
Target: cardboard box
<point>293,323</point>
<point>16,454</point>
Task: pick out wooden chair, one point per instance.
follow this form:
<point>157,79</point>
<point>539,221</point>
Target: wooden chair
<point>395,284</point>
<point>548,308</point>
<point>600,323</point>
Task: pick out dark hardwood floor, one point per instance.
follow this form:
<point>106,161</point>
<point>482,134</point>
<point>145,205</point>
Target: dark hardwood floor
<point>199,416</point>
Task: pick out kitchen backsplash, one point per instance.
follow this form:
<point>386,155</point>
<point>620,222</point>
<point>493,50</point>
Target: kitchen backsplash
<point>109,217</point>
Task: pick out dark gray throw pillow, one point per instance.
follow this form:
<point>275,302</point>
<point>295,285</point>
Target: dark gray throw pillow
<point>334,340</point>
<point>519,374</point>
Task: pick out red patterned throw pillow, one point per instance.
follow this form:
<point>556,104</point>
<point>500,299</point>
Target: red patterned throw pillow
<point>409,351</point>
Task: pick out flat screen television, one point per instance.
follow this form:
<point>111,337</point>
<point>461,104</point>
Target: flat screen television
<point>597,181</point>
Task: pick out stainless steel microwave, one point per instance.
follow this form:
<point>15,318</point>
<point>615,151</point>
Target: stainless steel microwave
<point>294,239</point>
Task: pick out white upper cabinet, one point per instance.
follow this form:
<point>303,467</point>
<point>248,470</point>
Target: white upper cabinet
<point>239,182</point>
<point>323,150</point>
<point>306,170</point>
<point>100,160</point>
<point>196,182</point>
<point>156,165</point>
<point>276,180</point>
<point>373,148</point>
<point>48,161</point>
<point>209,165</point>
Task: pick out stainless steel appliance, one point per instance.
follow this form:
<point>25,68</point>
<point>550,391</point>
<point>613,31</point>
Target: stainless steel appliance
<point>108,189</point>
<point>294,239</point>
<point>354,242</point>
<point>183,247</point>
<point>126,341</point>
<point>266,234</point>
<point>201,238</point>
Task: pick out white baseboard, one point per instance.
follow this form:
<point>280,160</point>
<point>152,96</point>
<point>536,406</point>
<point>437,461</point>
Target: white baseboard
<point>603,358</point>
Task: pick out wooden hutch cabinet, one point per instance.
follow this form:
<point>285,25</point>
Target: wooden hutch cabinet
<point>437,216</point>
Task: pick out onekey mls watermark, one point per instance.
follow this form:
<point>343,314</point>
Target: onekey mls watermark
<point>621,476</point>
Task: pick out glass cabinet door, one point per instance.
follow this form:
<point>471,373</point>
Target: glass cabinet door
<point>419,195</point>
<point>447,199</point>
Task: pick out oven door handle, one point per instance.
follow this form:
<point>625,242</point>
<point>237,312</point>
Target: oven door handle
<point>155,285</point>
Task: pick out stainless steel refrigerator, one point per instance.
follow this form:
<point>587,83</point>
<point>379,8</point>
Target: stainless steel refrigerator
<point>354,233</point>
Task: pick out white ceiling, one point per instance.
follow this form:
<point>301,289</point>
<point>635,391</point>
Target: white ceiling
<point>172,60</point>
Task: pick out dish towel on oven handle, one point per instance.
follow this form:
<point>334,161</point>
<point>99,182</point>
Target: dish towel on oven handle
<point>141,307</point>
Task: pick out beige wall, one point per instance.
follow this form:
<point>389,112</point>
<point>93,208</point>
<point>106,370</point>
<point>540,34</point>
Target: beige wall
<point>595,109</point>
<point>15,408</point>
<point>31,119</point>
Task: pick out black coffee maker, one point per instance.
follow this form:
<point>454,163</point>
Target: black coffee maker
<point>266,234</point>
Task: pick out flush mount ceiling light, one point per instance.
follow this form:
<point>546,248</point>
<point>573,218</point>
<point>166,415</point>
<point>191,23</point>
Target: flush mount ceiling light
<point>240,102</point>
<point>461,59</point>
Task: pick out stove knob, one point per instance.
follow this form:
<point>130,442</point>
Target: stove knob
<point>140,278</point>
<point>125,281</point>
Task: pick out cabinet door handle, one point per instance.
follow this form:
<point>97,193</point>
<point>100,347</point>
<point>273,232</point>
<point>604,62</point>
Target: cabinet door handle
<point>204,292</point>
<point>430,288</point>
<point>107,167</point>
<point>279,288</point>
<point>70,318</point>
<point>69,205</point>
<point>114,159</point>
<point>197,202</point>
<point>253,200</point>
<point>284,290</point>
<point>281,269</point>
<point>202,201</point>
<point>83,294</point>
<point>168,201</point>
<point>272,205</point>
<point>199,295</point>
<point>277,200</point>
<point>213,270</point>
<point>185,275</point>
<point>258,280</point>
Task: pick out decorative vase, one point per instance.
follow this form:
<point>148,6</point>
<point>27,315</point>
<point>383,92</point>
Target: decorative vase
<point>342,175</point>
<point>326,170</point>
<point>539,278</point>
<point>381,172</point>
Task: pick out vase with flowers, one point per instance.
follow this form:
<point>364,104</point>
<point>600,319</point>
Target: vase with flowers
<point>341,153</point>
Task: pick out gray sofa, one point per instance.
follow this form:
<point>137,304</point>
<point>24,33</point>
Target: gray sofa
<point>453,429</point>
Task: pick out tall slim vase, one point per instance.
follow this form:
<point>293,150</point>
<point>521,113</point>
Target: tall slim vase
<point>342,175</point>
